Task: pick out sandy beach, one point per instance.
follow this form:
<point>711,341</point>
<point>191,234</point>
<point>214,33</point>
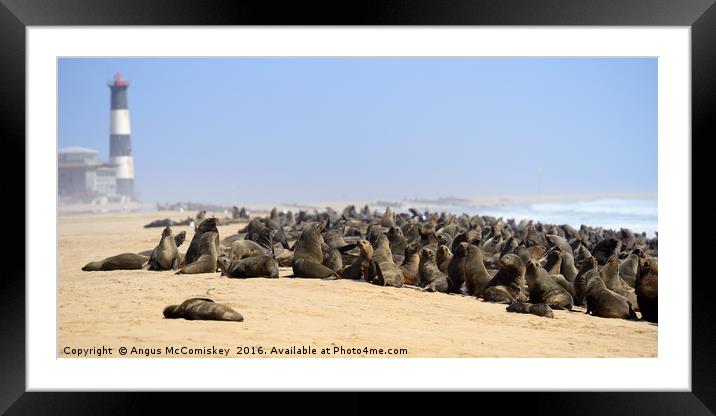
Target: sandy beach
<point>124,309</point>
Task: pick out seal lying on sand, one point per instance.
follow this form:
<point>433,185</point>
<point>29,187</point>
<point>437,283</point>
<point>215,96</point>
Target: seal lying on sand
<point>539,309</point>
<point>256,266</point>
<point>207,260</point>
<point>202,309</point>
<point>124,261</point>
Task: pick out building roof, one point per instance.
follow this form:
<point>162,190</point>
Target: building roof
<point>77,149</point>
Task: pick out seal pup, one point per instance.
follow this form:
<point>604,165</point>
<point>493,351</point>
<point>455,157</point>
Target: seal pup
<point>411,263</point>
<point>539,309</point>
<point>207,225</point>
<point>206,262</point>
<point>476,275</point>
<point>124,261</point>
<point>604,302</point>
<point>202,309</point>
<point>430,277</point>
<point>456,269</point>
<point>388,273</point>
<point>442,258</point>
<point>256,266</point>
<point>543,289</point>
<point>308,254</point>
<point>165,255</point>
<point>507,284</point>
<point>647,289</point>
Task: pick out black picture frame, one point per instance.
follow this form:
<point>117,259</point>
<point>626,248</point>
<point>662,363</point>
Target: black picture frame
<point>16,15</point>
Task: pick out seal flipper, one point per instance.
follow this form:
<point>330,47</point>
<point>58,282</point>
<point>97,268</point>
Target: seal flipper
<point>347,247</point>
<point>379,275</point>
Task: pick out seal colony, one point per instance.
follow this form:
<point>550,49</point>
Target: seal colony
<point>614,274</point>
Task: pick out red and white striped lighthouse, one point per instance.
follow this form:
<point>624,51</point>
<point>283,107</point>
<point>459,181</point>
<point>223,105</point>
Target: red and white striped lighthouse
<point>120,145</point>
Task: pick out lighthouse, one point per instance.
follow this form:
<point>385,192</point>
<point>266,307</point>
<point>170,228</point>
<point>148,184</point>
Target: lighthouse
<point>120,145</point>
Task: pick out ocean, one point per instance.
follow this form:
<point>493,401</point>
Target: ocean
<point>639,215</point>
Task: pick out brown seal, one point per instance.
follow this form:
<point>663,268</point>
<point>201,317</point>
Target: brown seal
<point>387,272</point>
<point>360,267</point>
<point>539,309</point>
<point>566,284</point>
<point>605,249</point>
<point>241,249</point>
<point>308,254</point>
<point>610,276</point>
<point>124,261</point>
<point>456,269</point>
<point>604,302</point>
<point>629,267</point>
<point>568,269</point>
<point>507,285</point>
<point>165,255</point>
<point>559,241</point>
<point>202,309</point>
<point>256,266</point>
<point>208,225</point>
<point>388,219</point>
<point>442,257</point>
<point>476,275</point>
<point>397,244</point>
<point>647,289</point>
<point>580,282</point>
<point>207,260</point>
<point>553,261</point>
<point>411,263</point>
<point>431,278</point>
<point>543,289</point>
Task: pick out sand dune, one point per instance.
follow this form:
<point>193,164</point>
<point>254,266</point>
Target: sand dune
<point>124,308</point>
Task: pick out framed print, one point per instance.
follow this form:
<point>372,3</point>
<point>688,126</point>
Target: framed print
<point>457,196</point>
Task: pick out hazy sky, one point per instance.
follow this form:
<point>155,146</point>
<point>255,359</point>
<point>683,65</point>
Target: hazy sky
<point>273,130</point>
